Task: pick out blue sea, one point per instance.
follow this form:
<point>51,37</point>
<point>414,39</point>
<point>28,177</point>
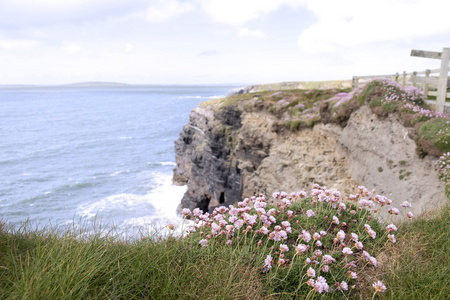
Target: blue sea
<point>71,154</point>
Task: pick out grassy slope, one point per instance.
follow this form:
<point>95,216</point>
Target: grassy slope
<point>49,264</point>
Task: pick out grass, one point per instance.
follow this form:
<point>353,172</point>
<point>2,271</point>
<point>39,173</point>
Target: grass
<point>437,130</point>
<point>59,264</point>
<point>65,263</point>
<point>418,266</point>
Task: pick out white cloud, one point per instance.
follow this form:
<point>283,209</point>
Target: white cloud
<point>353,22</point>
<point>238,12</point>
<point>20,44</point>
<point>209,53</point>
<point>245,32</point>
<point>31,13</point>
<point>71,48</point>
<point>129,47</point>
<point>166,9</point>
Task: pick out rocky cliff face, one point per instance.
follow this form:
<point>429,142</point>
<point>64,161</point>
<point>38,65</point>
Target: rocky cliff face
<point>233,149</point>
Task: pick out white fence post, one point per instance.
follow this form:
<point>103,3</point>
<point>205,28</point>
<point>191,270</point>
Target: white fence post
<point>442,82</point>
<point>443,77</point>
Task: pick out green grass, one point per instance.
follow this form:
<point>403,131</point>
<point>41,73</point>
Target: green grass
<point>64,263</point>
<point>418,266</point>
<point>437,130</point>
<point>59,264</point>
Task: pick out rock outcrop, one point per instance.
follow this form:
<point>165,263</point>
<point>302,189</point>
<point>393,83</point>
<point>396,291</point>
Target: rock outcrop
<point>235,148</point>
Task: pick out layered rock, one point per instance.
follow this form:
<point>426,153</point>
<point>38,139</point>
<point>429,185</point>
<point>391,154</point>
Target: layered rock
<point>236,149</point>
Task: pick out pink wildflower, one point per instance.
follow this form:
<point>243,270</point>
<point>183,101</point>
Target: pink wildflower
<point>354,237</point>
<point>301,248</point>
<point>197,212</point>
<point>302,194</point>
<point>316,236</point>
<point>306,236</point>
<point>352,197</point>
<point>186,212</point>
<point>391,237</point>
<point>347,251</point>
<point>260,204</point>
<point>341,235</point>
<point>203,242</point>
<point>379,287</point>
<point>328,259</point>
<point>268,262</point>
<point>353,275</point>
<point>311,272</point>
<point>335,220</point>
<point>264,230</point>
<point>232,219</point>
<point>393,211</point>
<point>310,213</point>
<point>343,286</point>
<point>238,224</point>
<point>223,223</point>
<point>285,224</point>
<point>318,244</point>
<point>284,248</point>
<point>410,215</point>
<point>321,285</point>
<point>359,245</point>
<point>280,235</point>
<point>325,268</point>
<point>373,261</point>
<point>406,204</point>
<point>391,228</point>
<point>229,242</point>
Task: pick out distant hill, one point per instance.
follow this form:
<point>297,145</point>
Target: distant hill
<point>79,84</point>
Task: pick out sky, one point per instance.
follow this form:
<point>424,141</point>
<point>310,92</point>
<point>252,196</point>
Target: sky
<point>216,41</point>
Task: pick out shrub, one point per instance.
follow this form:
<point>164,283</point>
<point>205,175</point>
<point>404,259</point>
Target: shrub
<point>437,130</point>
<point>376,102</point>
<point>443,169</point>
<point>303,244</point>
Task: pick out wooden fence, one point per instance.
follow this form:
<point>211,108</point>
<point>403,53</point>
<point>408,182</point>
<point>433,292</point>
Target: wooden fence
<point>435,86</point>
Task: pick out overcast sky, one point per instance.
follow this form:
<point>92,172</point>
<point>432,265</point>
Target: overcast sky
<point>215,41</point>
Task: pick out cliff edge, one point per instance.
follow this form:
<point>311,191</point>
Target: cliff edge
<point>265,142</point>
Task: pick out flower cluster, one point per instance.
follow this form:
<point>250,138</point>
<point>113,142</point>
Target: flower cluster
<point>422,114</point>
<point>443,167</point>
<point>394,92</point>
<point>331,239</point>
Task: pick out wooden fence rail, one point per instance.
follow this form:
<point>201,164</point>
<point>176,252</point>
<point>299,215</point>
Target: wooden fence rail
<point>440,83</point>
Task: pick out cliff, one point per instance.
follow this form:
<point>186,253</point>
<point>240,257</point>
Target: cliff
<point>264,142</point>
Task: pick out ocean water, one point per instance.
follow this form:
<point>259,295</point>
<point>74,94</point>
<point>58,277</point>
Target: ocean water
<point>102,154</point>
